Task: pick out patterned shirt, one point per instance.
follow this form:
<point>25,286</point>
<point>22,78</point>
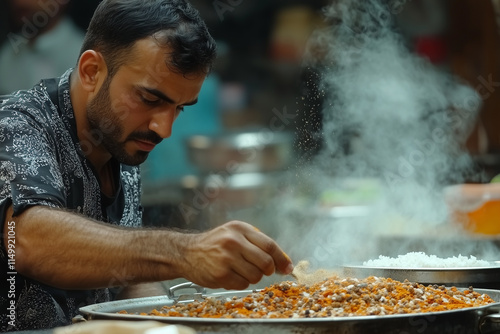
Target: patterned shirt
<point>42,163</point>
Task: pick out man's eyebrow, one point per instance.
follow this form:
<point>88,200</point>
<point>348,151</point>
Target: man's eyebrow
<point>164,97</point>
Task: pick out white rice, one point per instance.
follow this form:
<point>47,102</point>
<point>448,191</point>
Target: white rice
<point>422,260</point>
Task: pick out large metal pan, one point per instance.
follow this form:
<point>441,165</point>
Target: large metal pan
<point>477,320</point>
<point>479,277</point>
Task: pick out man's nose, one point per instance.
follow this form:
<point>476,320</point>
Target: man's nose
<point>162,123</point>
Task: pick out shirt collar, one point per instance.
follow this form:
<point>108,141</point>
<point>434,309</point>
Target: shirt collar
<point>65,105</point>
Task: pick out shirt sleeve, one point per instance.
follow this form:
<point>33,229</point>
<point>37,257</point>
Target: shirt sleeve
<point>131,184</point>
<point>29,172</point>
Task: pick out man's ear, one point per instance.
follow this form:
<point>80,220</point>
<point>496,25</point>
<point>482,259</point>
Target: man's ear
<point>92,70</point>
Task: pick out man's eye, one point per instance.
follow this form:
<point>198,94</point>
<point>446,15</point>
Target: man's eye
<point>150,102</point>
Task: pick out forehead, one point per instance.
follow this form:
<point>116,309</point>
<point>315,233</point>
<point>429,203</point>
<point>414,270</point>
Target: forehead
<point>147,56</point>
<point>151,58</point>
<point>146,66</point>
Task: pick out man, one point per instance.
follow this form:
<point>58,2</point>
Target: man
<point>69,181</point>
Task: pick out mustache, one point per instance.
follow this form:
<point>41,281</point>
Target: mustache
<point>149,136</point>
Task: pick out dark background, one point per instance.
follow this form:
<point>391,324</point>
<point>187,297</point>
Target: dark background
<point>470,48</point>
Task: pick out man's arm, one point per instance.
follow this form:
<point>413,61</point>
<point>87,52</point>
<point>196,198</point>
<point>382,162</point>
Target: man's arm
<point>69,251</point>
<point>141,290</point>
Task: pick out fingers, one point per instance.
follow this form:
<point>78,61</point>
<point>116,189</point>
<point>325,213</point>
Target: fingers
<point>247,271</point>
<point>274,258</point>
<point>246,258</point>
<point>216,259</point>
<point>235,255</point>
<point>261,261</point>
<point>253,262</point>
<point>231,280</point>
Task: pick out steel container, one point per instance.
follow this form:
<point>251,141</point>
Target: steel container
<point>476,320</point>
<point>241,152</point>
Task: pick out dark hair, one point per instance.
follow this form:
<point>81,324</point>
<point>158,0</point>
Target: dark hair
<point>118,24</point>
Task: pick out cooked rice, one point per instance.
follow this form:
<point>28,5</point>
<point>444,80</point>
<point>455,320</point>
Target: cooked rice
<point>422,260</point>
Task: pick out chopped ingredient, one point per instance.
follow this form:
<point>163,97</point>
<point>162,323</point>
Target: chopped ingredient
<point>334,297</point>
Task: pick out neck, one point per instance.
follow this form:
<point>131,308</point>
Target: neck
<point>107,180</point>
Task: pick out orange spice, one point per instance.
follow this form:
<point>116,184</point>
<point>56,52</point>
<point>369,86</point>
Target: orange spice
<point>332,298</point>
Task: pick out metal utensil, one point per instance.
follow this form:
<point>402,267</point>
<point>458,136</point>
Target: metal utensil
<point>198,295</point>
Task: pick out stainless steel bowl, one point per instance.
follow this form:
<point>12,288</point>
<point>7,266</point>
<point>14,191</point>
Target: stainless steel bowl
<point>236,191</point>
<point>478,277</point>
<point>210,200</point>
<point>241,152</point>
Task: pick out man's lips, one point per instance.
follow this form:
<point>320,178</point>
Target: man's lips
<point>145,145</point>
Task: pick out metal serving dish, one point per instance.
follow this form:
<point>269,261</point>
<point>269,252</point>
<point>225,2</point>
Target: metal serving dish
<point>241,152</point>
<point>480,320</point>
<point>478,277</point>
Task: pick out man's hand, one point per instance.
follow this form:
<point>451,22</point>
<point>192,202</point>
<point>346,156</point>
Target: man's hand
<point>233,256</point>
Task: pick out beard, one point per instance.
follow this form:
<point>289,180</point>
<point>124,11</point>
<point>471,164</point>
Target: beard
<point>107,129</point>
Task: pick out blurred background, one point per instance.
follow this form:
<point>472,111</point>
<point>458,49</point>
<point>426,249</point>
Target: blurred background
<point>260,111</point>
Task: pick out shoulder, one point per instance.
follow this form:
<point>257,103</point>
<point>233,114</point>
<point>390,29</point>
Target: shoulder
<point>28,116</point>
<point>34,102</point>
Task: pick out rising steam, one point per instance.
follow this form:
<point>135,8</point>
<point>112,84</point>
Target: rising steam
<point>391,116</point>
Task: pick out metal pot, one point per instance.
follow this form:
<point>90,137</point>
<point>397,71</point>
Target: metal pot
<point>241,152</point>
<point>236,191</point>
<point>209,200</point>
<point>484,319</point>
<point>478,277</point>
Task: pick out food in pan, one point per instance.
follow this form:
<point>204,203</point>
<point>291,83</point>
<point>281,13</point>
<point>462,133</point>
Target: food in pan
<point>334,297</point>
<point>422,260</point>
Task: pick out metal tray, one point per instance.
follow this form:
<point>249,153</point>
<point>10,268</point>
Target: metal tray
<point>484,319</point>
<point>480,277</point>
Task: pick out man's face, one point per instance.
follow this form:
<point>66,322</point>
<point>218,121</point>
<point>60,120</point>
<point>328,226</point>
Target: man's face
<point>136,108</point>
